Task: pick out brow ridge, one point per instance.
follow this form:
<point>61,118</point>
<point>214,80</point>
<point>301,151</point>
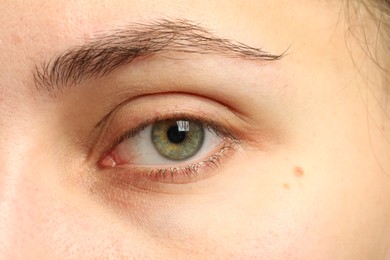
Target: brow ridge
<point>108,51</point>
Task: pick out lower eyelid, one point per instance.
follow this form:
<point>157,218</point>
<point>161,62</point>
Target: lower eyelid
<point>151,178</point>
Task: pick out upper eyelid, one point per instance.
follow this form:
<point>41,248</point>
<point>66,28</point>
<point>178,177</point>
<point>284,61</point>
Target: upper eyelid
<point>117,107</point>
<point>109,115</point>
<point>104,137</point>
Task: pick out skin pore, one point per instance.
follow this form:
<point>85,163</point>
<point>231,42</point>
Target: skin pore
<point>306,175</point>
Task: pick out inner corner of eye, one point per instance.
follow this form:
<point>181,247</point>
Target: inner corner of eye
<point>107,161</point>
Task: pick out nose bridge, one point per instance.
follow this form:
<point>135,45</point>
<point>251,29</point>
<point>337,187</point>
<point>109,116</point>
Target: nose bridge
<point>19,214</point>
<point>10,214</point>
<point>22,198</point>
<point>8,218</point>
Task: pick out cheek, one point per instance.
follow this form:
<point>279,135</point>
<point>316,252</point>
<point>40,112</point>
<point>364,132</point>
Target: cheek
<point>254,215</point>
<point>247,215</point>
<point>43,217</point>
<point>30,210</point>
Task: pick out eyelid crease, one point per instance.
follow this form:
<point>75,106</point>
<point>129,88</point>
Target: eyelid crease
<point>125,101</point>
<point>106,118</point>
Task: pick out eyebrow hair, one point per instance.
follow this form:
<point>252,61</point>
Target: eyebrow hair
<point>108,51</point>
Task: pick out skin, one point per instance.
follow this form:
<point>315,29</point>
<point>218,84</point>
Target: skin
<point>311,180</point>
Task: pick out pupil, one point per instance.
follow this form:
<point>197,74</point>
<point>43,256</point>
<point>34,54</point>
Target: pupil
<point>175,136</point>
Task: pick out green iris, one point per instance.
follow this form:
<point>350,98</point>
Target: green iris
<point>174,144</point>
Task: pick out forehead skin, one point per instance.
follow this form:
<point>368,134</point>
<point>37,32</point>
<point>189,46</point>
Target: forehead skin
<point>36,32</point>
<point>43,217</point>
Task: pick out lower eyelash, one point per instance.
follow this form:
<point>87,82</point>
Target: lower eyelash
<point>190,172</point>
<point>143,178</point>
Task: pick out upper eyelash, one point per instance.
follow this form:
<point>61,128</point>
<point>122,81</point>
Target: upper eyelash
<point>216,128</point>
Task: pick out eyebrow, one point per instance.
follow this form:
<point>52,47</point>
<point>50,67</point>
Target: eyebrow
<point>111,50</point>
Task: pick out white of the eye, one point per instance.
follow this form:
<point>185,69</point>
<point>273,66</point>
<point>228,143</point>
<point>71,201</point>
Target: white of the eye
<point>146,153</point>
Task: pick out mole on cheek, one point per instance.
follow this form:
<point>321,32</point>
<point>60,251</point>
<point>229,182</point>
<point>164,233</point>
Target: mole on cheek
<point>298,172</point>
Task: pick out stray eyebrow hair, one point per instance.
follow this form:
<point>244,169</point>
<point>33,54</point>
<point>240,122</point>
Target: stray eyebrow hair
<point>107,52</point>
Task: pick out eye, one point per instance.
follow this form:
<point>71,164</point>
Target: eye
<point>169,148</point>
<point>164,143</point>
